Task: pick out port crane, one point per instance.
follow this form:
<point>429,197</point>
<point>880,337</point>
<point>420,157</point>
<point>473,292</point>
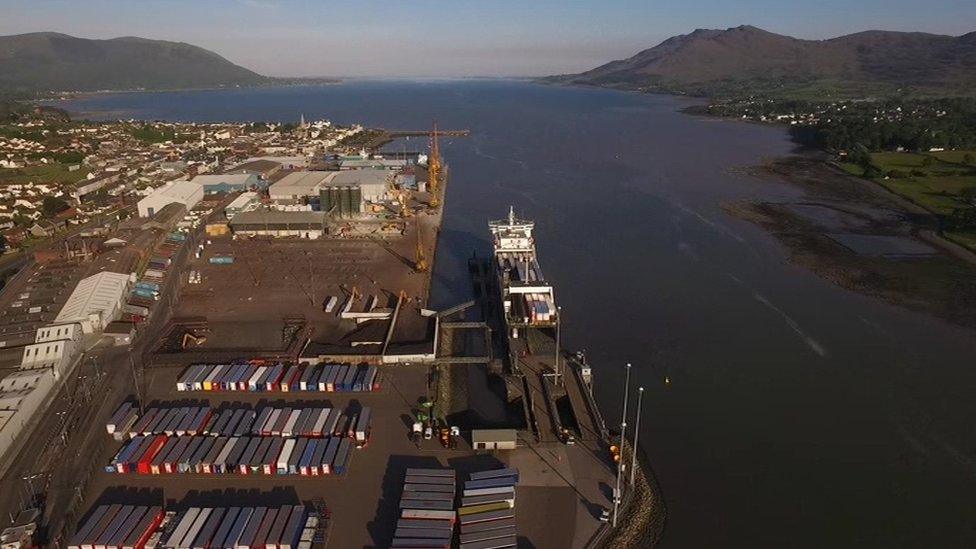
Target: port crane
<point>434,167</point>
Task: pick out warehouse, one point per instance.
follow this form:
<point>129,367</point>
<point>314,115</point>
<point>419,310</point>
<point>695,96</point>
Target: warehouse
<point>95,301</point>
<point>374,184</point>
<point>296,187</point>
<point>187,193</point>
<point>244,202</point>
<point>226,183</point>
<point>279,224</point>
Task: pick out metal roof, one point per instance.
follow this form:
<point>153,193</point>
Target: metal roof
<point>303,183</point>
<point>95,294</point>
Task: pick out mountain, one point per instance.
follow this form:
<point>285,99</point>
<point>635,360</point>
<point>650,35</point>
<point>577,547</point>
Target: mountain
<point>747,59</point>
<point>47,61</point>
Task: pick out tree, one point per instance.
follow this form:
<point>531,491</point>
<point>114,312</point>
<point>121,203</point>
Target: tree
<point>52,206</point>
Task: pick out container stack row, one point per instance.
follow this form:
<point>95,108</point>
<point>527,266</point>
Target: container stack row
<point>283,378</point>
<point>117,526</point>
<point>487,512</point>
<point>240,528</point>
<point>427,511</point>
<point>245,455</point>
<point>146,291</point>
<point>313,422</point>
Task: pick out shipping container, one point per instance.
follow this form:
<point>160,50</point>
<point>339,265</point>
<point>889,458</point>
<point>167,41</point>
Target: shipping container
<point>363,424</point>
<point>236,528</point>
<point>270,464</point>
<point>501,490</point>
<point>410,479</point>
<point>499,543</point>
<point>442,488</point>
<point>292,532</point>
<point>488,525</point>
<point>487,516</point>
<point>489,483</point>
<point>504,532</point>
<point>183,524</point>
<point>278,527</point>
<point>246,540</point>
<point>315,464</point>
<point>144,529</point>
<point>495,473</point>
<point>427,504</point>
<point>329,456</point>
<point>429,496</point>
<point>490,498</point>
<point>423,533</point>
<point>244,465</point>
<point>285,455</point>
<point>427,514</point>
<point>266,523</point>
<point>425,524</point>
<point>342,457</point>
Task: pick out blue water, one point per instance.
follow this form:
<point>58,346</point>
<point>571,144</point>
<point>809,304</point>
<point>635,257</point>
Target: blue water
<point>799,414</point>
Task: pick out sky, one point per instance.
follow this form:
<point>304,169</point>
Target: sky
<point>445,38</point>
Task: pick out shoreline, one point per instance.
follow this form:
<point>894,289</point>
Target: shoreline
<point>922,272</point>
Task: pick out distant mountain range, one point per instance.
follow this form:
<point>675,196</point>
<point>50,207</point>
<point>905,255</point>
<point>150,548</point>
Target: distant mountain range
<point>47,61</point>
<point>747,59</point>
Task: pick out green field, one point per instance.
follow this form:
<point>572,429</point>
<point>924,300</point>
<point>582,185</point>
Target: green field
<point>941,182</point>
<point>45,173</point>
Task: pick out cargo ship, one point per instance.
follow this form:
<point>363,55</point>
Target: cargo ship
<point>528,301</point>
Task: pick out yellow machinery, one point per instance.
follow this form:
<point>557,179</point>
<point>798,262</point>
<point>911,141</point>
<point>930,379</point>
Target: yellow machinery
<point>421,263</point>
<point>434,168</point>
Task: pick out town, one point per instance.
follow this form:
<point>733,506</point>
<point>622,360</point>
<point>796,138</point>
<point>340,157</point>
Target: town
<point>253,300</point>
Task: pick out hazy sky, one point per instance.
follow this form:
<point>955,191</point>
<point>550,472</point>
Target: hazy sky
<point>459,37</point>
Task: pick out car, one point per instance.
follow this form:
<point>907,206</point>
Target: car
<point>428,433</point>
<point>605,515</point>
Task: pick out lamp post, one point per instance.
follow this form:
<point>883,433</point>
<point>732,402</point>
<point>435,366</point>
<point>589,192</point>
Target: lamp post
<point>633,460</point>
<point>620,462</point>
<point>559,323</point>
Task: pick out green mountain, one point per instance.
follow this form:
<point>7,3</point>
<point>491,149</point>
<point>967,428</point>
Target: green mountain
<point>748,60</point>
<point>47,61</point>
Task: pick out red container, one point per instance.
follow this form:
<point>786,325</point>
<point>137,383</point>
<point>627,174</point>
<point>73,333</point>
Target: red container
<point>144,464</point>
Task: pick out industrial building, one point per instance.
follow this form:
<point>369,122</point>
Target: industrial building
<point>95,301</point>
<point>279,224</point>
<point>245,202</point>
<point>227,182</point>
<point>187,193</point>
<point>373,183</point>
<point>295,188</point>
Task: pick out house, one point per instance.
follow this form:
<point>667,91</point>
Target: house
<point>43,228</point>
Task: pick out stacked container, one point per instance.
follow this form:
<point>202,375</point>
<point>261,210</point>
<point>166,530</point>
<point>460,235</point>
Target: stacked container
<point>257,376</point>
<point>487,512</point>
<point>426,509</point>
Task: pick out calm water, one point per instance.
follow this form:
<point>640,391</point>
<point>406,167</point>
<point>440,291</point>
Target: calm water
<point>799,414</point>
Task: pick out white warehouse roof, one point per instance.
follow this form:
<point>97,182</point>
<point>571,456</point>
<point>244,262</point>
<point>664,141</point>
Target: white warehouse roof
<point>241,179</point>
<point>98,294</point>
<point>298,184</point>
<point>187,193</point>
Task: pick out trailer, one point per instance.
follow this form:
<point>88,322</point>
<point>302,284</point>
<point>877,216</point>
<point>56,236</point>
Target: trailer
<point>286,450</point>
<point>182,526</point>
<point>270,464</point>
<point>304,463</point>
<point>347,382</point>
<point>362,429</point>
<point>315,463</point>
<point>244,465</point>
<point>246,540</point>
<point>318,429</point>
<point>329,456</point>
<point>144,530</point>
<point>233,535</point>
<point>207,465</point>
<point>292,532</point>
<point>342,457</point>
<point>296,455</point>
<point>267,522</point>
<point>278,527</point>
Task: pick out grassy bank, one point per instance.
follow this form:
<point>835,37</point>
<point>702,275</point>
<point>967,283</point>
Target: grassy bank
<point>943,183</point>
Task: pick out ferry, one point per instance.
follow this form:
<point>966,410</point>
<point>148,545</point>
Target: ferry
<point>528,301</point>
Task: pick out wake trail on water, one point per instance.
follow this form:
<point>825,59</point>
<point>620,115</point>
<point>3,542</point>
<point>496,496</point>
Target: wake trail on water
<point>812,343</point>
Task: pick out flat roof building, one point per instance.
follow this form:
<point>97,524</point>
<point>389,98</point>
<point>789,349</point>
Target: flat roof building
<point>276,223</point>
<point>186,193</point>
<point>95,301</point>
<point>226,182</point>
<point>299,185</point>
<point>244,202</point>
<point>374,183</point>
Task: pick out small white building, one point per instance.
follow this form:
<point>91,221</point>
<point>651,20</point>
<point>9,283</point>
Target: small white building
<point>95,301</point>
<point>187,193</point>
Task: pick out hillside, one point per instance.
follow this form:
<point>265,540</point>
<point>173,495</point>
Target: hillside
<point>747,59</point>
<point>57,62</point>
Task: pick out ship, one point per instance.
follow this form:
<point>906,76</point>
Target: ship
<point>527,299</point>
